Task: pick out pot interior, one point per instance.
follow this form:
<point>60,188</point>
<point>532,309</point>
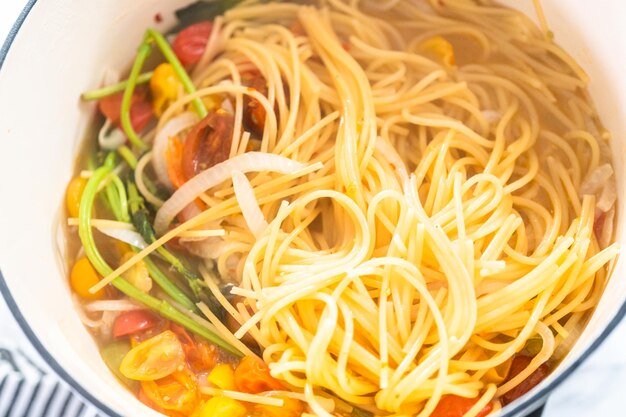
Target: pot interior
<point>61,51</point>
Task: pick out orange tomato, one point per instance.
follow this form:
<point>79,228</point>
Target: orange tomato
<point>201,356</point>
<point>253,376</point>
<point>175,392</point>
<point>154,358</point>
<point>84,276</point>
<point>73,195</point>
<point>455,406</point>
<point>174,156</point>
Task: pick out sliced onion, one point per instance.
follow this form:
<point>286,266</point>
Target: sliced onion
<point>606,236</point>
<point>159,151</point>
<point>206,248</point>
<point>248,203</point>
<point>127,236</point>
<point>110,139</point>
<point>113,305</point>
<point>596,179</point>
<point>607,197</point>
<point>247,162</point>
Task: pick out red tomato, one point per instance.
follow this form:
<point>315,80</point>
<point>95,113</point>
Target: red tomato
<point>254,113</point>
<point>208,143</point>
<point>133,321</point>
<point>520,362</point>
<point>140,110</point>
<point>190,43</point>
<point>455,406</point>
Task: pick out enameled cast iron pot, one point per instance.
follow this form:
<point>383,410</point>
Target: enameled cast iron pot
<point>59,48</point>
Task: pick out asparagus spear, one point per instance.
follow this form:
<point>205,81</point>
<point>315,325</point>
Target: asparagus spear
<point>141,220</point>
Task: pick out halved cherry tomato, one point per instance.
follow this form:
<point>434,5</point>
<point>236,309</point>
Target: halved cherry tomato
<point>200,355</point>
<point>140,109</point>
<point>253,376</point>
<point>154,358</point>
<point>176,392</point>
<point>174,156</point>
<point>254,113</point>
<point>520,362</point>
<point>133,321</point>
<point>73,195</point>
<point>191,42</point>
<point>455,406</point>
<point>208,143</point>
<point>84,276</point>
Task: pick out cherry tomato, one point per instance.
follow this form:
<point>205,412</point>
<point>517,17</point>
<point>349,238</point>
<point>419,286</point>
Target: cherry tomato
<point>154,358</point>
<point>191,42</point>
<point>455,406</point>
<point>133,321</point>
<point>201,356</point>
<point>175,392</point>
<point>253,376</point>
<point>254,113</point>
<point>520,362</point>
<point>208,143</point>
<point>140,109</point>
<point>84,276</point>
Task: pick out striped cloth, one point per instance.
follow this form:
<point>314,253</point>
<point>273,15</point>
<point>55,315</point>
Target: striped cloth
<point>28,390</point>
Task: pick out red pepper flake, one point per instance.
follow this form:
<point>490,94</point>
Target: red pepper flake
<point>158,18</point>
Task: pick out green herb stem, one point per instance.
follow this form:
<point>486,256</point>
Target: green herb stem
<point>180,71</point>
<point>109,90</point>
<point>168,286</point>
<point>142,54</point>
<point>128,156</point>
<point>94,256</point>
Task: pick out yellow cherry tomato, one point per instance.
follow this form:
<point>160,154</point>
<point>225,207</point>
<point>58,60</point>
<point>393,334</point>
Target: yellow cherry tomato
<point>223,376</point>
<point>438,49</point>
<point>220,407</point>
<point>137,274</point>
<point>154,358</point>
<point>165,87</point>
<point>73,195</point>
<point>84,276</point>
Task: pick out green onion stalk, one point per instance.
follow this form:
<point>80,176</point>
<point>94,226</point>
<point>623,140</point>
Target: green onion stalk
<point>162,307</point>
<point>152,36</point>
<point>109,90</point>
<point>119,204</point>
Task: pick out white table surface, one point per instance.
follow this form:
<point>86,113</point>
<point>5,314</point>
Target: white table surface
<point>595,389</point>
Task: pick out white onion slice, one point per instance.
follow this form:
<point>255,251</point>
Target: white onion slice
<point>110,139</point>
<point>159,150</point>
<point>248,203</point>
<point>596,179</point>
<point>247,162</point>
<point>113,305</point>
<point>607,197</point>
<point>127,236</point>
